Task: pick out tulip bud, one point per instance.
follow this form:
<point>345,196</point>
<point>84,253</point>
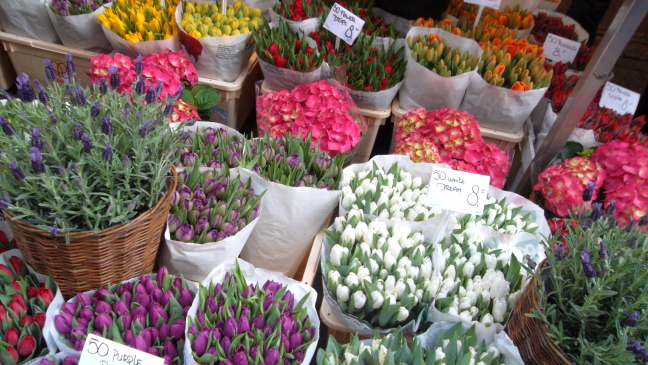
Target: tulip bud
<point>26,345</point>
<point>63,323</point>
<point>342,293</point>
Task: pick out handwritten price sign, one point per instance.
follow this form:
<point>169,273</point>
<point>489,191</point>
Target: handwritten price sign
<point>458,191</point>
<point>495,4</point>
<point>559,49</point>
<point>99,351</point>
<point>344,24</point>
<point>619,99</point>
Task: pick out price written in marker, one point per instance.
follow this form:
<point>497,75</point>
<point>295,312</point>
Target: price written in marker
<point>99,351</point>
<point>458,191</point>
<point>344,24</point>
<point>495,4</point>
<point>559,49</point>
<point>619,99</point>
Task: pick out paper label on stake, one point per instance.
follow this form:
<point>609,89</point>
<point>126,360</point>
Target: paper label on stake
<point>495,4</point>
<point>344,24</point>
<point>619,99</point>
<point>100,351</point>
<point>458,191</point>
<point>559,49</point>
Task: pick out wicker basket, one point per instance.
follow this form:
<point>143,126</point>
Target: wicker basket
<point>530,334</point>
<point>92,260</point>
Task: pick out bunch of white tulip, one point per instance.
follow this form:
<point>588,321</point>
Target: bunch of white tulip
<point>479,284</point>
<point>502,217</point>
<point>377,273</point>
<point>390,194</point>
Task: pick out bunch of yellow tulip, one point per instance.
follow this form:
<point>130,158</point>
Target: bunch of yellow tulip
<point>141,20</point>
<point>516,65</point>
<point>433,54</point>
<point>207,20</point>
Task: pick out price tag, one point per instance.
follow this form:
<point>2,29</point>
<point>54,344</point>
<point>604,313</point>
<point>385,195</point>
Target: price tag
<point>99,351</point>
<point>619,99</point>
<point>458,191</point>
<point>344,24</point>
<point>495,4</point>
<point>559,49</point>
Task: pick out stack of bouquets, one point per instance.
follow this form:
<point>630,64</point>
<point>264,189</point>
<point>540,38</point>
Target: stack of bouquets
<point>561,87</point>
<point>146,313</point>
<point>460,9</point>
<point>140,21</point>
<point>545,24</point>
<point>216,147</point>
<point>245,317</point>
<point>299,10</point>
<point>211,206</point>
<point>160,75</point>
<point>432,53</point>
<point>75,22</point>
<point>562,185</point>
<point>76,7</point>
<point>480,280</point>
<point>515,65</point>
<point>499,215</point>
<point>59,359</point>
<point>625,181</point>
<point>26,301</point>
<point>283,47</point>
<point>515,18</point>
<point>457,141</point>
<point>378,274</point>
<point>481,33</point>
<point>318,109</point>
<point>206,20</point>
<point>375,24</point>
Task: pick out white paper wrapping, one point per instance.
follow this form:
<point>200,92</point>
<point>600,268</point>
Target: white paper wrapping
<point>261,276</point>
<point>231,132</point>
<point>277,78</point>
<point>306,26</point>
<point>499,108</point>
<point>81,31</point>
<point>222,58</point>
<point>583,36</point>
<point>377,100</point>
<point>133,49</point>
<point>423,87</point>
<point>284,233</point>
<point>60,356</point>
<point>28,18</point>
<point>500,339</point>
<point>548,5</point>
<point>62,346</point>
<point>422,170</point>
<point>523,33</point>
<point>53,308</point>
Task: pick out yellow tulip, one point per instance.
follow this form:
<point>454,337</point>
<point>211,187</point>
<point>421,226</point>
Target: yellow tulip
<point>236,31</point>
<point>150,36</point>
<point>188,17</point>
<point>195,34</point>
<point>237,5</point>
<point>255,13</point>
<point>189,8</point>
<point>227,30</point>
<point>245,30</point>
<point>203,29</point>
<point>206,20</point>
<point>214,8</point>
<point>215,32</point>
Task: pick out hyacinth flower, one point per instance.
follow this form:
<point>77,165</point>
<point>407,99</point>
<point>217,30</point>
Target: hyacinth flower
<point>76,7</point>
<point>299,9</point>
<point>147,314</point>
<point>290,161</point>
<point>283,47</point>
<point>209,147</point>
<point>239,323</point>
<point>207,207</point>
<point>432,53</point>
<point>23,312</point>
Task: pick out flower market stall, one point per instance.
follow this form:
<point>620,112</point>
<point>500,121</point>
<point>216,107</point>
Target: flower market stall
<point>145,216</point>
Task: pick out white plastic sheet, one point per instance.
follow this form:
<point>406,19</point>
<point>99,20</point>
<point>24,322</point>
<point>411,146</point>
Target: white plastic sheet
<point>423,87</point>
<point>81,31</point>
<point>377,100</point>
<point>284,233</point>
<point>222,58</point>
<point>499,108</point>
<point>133,49</point>
<point>255,275</point>
<point>28,18</point>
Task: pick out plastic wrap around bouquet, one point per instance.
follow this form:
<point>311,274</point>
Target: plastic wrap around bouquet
<point>61,358</point>
<point>323,109</point>
<point>273,318</point>
<point>28,18</point>
<point>426,88</point>
<point>146,313</point>
<point>81,30</point>
<point>26,323</point>
<point>304,15</point>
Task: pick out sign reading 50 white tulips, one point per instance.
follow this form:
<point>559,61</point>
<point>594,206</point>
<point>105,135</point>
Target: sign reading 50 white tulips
<point>99,351</point>
<point>458,191</point>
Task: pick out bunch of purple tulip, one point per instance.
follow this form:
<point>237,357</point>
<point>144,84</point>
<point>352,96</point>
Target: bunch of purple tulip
<point>207,209</point>
<point>76,7</point>
<point>241,324</point>
<point>210,147</point>
<point>68,360</point>
<point>146,314</point>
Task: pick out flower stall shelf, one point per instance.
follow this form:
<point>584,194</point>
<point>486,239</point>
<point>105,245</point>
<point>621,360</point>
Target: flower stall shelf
<point>85,204</point>
<point>7,72</point>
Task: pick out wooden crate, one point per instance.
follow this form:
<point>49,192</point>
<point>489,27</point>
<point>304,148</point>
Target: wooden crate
<point>311,263</point>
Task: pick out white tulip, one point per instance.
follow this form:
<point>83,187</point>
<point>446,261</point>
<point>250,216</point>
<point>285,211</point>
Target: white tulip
<point>433,286</point>
<point>399,288</point>
<point>499,310</point>
<point>360,230</point>
<point>337,253</point>
<point>383,274</point>
<point>499,220</point>
<point>334,275</point>
<point>510,229</point>
<point>419,248</point>
<point>462,291</point>
<point>365,248</point>
<point>391,299</point>
<point>373,267</point>
<point>416,194</point>
<point>450,273</point>
<point>351,279</point>
<point>513,298</point>
<point>390,284</point>
<point>453,311</point>
<point>383,214</point>
<point>488,277</point>
<point>402,315</point>
<point>348,200</point>
<point>359,299</point>
<point>393,246</point>
<point>394,201</point>
<point>407,243</point>
<point>359,192</point>
<point>348,235</point>
<point>491,216</point>
<point>377,252</point>
<point>400,186</point>
<point>382,355</point>
<point>372,208</point>
<point>419,294</point>
<point>447,285</point>
<point>407,195</point>
<point>382,200</point>
<point>468,269</point>
<point>473,311</point>
<point>404,263</point>
<point>487,319</point>
<point>475,258</point>
<point>416,183</point>
<point>375,226</point>
<point>494,350</point>
<point>363,273</point>
<point>362,174</point>
<point>411,284</point>
<point>342,293</point>
<point>491,261</point>
<point>441,295</point>
<point>486,297</point>
<point>499,289</point>
<point>472,296</point>
<point>426,268</point>
<point>383,233</point>
<point>389,260</point>
<point>407,181</point>
<point>338,224</point>
<point>377,299</point>
<point>531,226</point>
<point>349,357</point>
<point>413,272</point>
<point>465,303</point>
<point>508,215</point>
<point>380,284</point>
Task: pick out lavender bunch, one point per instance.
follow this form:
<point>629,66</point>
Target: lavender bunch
<point>82,159</point>
<point>211,147</point>
<point>76,7</point>
<point>209,208</point>
<point>291,161</point>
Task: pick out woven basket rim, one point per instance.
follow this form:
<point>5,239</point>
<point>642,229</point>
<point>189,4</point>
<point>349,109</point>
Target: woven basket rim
<point>171,182</point>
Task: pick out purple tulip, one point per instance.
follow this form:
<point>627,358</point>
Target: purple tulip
<point>79,332</point>
<point>182,176</point>
<point>212,351</point>
<point>257,322</point>
<point>87,313</point>
<point>165,332</point>
<point>269,301</point>
<point>217,333</point>
<point>185,297</point>
<point>82,322</point>
<point>308,334</point>
<point>295,340</point>
<point>63,323</point>
<point>177,330</point>
<point>128,337</point>
<point>157,295</point>
<point>201,225</point>
<point>139,311</point>
<point>47,362</point>
<point>142,299</point>
<point>149,284</point>
<point>234,215</point>
<point>267,330</point>
<point>271,356</point>
<point>299,355</point>
<point>167,360</point>
<point>83,299</point>
<point>254,215</point>
<point>245,310</point>
<point>249,291</point>
<point>200,343</point>
<point>157,315</point>
<point>185,193</point>
<point>200,317</point>
<point>253,351</point>
<point>225,343</point>
<point>153,351</point>
<point>185,233</point>
<point>120,308</point>
<point>69,308</point>
<point>185,310</point>
<point>228,228</point>
<point>186,204</point>
<point>211,236</point>
<point>103,321</point>
<point>127,287</point>
<point>78,344</point>
<point>177,282</point>
<point>188,158</point>
<point>240,358</point>
<point>124,322</point>
<point>170,350</point>
<point>286,343</point>
<point>166,296</point>
<point>140,289</point>
<point>290,298</point>
<point>217,289</point>
<point>150,335</point>
<point>243,325</point>
<point>102,293</point>
<point>271,287</point>
<point>127,298</point>
<point>174,223</point>
<point>175,198</point>
<point>103,307</point>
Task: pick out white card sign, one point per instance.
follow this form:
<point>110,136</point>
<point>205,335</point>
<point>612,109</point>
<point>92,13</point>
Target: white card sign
<point>495,4</point>
<point>99,351</point>
<point>559,49</point>
<point>344,24</point>
<point>458,191</point>
<point>619,99</point>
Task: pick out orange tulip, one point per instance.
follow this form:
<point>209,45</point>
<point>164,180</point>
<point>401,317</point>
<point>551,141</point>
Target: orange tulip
<point>499,69</point>
<point>518,86</point>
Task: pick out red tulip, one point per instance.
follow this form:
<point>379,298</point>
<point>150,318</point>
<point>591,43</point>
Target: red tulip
<point>3,312</point>
<point>13,353</point>
<point>6,270</point>
<point>11,336</point>
<point>19,298</point>
<point>16,285</point>
<point>26,321</point>
<point>31,292</point>
<point>46,295</point>
<point>17,264</point>
<point>17,307</point>
<point>39,318</point>
<point>26,345</point>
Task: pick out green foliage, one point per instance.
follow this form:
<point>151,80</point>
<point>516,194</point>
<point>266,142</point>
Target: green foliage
<point>203,97</point>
